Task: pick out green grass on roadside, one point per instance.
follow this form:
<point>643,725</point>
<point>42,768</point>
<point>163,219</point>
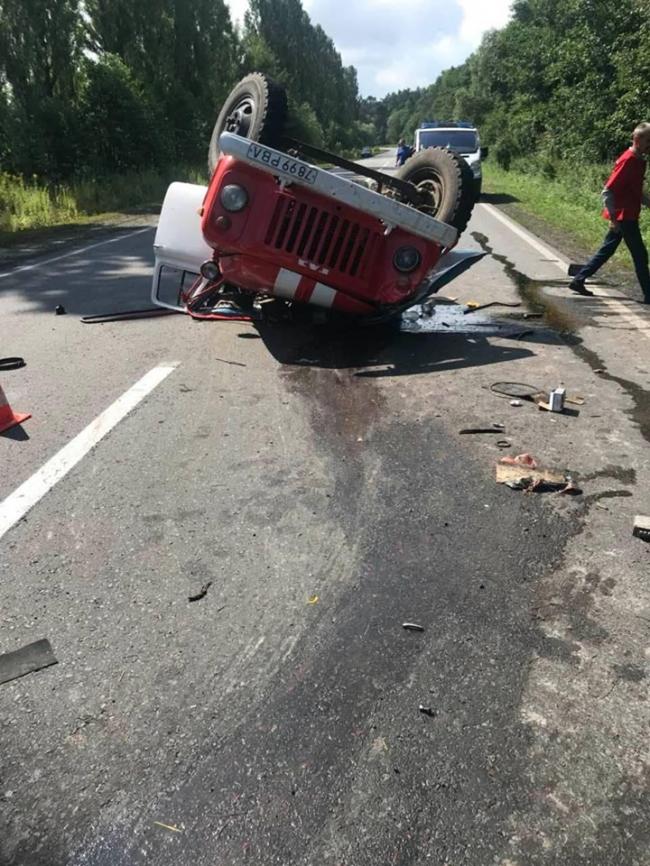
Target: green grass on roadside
<point>570,204</point>
<point>26,205</point>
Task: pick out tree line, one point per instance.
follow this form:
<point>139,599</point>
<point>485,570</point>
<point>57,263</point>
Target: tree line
<point>563,81</point>
<point>90,88</point>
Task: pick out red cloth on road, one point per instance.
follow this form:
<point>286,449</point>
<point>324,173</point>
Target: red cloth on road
<point>626,182</point>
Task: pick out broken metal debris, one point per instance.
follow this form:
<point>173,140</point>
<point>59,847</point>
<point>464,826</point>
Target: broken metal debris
<point>201,593</point>
<point>313,600</point>
<point>504,443</point>
<point>641,527</point>
<point>168,827</point>
<point>518,390</point>
<point>412,626</point>
<point>427,711</point>
<point>11,364</point>
<point>232,363</point>
<point>494,428</point>
<point>28,659</point>
<point>474,306</point>
<point>148,313</point>
<point>516,403</point>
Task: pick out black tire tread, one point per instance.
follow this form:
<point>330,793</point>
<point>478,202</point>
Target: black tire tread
<point>459,181</point>
<point>271,98</point>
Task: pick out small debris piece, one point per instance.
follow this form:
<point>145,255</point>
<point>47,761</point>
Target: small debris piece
<point>313,600</point>
<point>504,443</point>
<point>641,527</point>
<point>201,593</point>
<point>531,480</point>
<point>556,399</point>
<point>575,399</point>
<point>12,363</point>
<point>59,310</point>
<point>28,659</point>
<point>600,370</point>
<point>412,626</point>
<point>516,403</point>
<point>520,460</point>
<point>474,306</point>
<point>495,428</point>
<point>167,827</point>
<point>231,363</point>
<point>571,489</point>
<point>427,711</point>
<point>148,313</point>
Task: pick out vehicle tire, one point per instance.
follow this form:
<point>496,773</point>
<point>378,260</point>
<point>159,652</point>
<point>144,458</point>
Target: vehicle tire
<point>256,108</point>
<point>450,180</point>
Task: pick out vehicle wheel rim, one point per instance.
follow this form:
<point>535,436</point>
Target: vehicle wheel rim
<point>241,117</point>
<point>433,186</point>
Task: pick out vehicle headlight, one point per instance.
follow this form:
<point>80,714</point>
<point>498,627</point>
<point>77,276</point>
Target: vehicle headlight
<point>210,271</point>
<point>406,259</point>
<point>234,197</point>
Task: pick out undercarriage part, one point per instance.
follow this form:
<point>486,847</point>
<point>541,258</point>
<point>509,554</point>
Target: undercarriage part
<point>406,190</point>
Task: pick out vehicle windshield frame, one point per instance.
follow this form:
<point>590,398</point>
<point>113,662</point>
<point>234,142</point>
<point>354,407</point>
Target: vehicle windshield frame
<point>457,140</point>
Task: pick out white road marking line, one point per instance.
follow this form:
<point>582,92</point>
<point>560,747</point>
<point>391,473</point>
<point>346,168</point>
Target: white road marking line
<point>18,503</point>
<point>41,264</point>
<point>633,318</point>
<point>555,258</point>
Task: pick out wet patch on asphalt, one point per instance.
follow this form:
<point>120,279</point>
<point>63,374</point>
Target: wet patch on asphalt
<point>567,323</point>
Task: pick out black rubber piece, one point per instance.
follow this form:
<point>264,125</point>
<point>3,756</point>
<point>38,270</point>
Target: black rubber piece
<point>452,177</point>
<point>32,657</point>
<point>256,108</point>
<point>11,364</point>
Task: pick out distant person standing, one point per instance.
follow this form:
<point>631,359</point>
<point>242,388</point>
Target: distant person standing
<point>622,199</point>
<point>403,152</point>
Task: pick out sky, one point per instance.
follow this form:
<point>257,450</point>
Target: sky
<point>395,44</point>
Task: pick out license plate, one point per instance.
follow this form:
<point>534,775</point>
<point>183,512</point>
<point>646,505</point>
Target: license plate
<point>282,163</point>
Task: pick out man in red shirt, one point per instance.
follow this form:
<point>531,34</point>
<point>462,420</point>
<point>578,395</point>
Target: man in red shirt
<point>622,198</point>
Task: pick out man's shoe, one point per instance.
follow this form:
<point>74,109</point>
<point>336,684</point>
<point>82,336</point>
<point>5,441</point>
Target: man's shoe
<point>578,286</point>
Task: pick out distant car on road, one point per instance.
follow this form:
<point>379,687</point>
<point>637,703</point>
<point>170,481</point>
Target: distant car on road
<point>366,152</point>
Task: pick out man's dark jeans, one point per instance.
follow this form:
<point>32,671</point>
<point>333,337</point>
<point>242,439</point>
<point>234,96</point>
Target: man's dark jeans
<point>631,234</point>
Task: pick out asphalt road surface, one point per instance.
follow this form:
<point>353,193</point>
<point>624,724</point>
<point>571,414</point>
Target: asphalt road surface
<point>317,484</point>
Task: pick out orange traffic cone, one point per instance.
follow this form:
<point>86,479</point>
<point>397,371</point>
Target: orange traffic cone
<point>9,418</point>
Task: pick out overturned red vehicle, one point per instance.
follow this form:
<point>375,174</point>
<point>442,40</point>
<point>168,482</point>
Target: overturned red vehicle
<point>350,240</point>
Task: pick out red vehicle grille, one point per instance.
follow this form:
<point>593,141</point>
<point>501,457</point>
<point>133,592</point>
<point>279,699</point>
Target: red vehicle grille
<point>321,237</point>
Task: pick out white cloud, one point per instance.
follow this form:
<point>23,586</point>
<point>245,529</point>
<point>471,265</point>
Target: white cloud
<point>399,45</point>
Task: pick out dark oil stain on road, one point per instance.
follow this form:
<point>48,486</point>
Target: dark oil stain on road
<point>532,291</point>
<point>568,324</point>
<point>339,765</point>
<point>640,411</point>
